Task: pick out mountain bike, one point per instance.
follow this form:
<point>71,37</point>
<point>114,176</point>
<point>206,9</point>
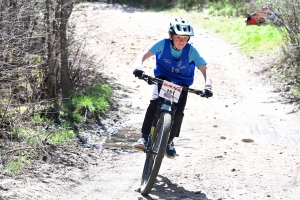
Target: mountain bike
<point>160,130</point>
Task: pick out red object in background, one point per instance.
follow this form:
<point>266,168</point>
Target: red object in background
<point>259,17</point>
<point>253,20</point>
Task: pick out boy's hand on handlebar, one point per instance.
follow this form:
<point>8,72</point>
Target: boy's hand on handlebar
<point>138,73</point>
<point>207,92</point>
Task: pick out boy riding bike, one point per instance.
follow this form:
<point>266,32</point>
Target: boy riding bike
<point>176,60</point>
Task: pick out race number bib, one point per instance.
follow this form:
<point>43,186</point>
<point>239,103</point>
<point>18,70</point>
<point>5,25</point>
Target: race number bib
<point>170,91</point>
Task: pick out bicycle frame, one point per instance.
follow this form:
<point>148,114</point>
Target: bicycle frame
<point>165,106</point>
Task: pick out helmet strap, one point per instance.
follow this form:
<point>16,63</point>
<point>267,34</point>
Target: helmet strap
<point>171,38</point>
<point>174,47</point>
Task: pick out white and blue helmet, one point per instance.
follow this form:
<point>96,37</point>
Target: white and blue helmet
<point>181,26</point>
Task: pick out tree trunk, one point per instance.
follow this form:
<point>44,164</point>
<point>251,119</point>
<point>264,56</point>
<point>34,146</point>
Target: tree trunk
<point>1,19</point>
<point>52,69</point>
<point>64,76</point>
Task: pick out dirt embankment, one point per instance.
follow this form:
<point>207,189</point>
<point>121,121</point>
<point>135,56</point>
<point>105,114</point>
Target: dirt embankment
<point>241,144</point>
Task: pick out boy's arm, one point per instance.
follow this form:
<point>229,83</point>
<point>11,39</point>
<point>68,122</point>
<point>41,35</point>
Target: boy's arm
<point>207,76</point>
<point>140,59</point>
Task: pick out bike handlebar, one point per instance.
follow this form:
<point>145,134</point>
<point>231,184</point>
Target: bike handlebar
<point>152,80</point>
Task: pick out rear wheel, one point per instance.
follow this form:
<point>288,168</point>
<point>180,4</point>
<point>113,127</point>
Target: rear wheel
<point>154,158</point>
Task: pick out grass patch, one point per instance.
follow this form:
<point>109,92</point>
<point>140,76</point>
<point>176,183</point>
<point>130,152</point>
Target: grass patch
<point>16,164</point>
<point>92,102</point>
<point>296,91</point>
<point>251,39</point>
<point>45,128</point>
<point>87,104</point>
<point>34,137</point>
<point>39,118</point>
<point>62,137</point>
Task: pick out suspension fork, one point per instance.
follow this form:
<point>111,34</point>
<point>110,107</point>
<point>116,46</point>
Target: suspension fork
<point>163,106</point>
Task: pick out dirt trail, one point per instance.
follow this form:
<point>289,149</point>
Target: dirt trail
<point>213,161</point>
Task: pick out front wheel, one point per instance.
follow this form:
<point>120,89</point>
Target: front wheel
<point>155,157</point>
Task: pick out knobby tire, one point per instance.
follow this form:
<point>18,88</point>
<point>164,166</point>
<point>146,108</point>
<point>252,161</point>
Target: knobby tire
<point>159,145</point>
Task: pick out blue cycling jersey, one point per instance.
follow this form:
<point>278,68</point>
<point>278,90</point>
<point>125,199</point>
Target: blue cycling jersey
<point>177,66</point>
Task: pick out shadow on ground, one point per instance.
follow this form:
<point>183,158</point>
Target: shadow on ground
<point>165,189</point>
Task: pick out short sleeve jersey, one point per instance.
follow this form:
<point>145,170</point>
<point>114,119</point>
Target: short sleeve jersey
<point>194,55</point>
<point>176,66</point>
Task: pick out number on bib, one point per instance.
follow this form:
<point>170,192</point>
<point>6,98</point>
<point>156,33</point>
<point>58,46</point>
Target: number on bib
<point>170,91</point>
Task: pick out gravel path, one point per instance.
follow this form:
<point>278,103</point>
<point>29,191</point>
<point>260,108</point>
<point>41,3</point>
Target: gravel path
<point>243,143</point>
